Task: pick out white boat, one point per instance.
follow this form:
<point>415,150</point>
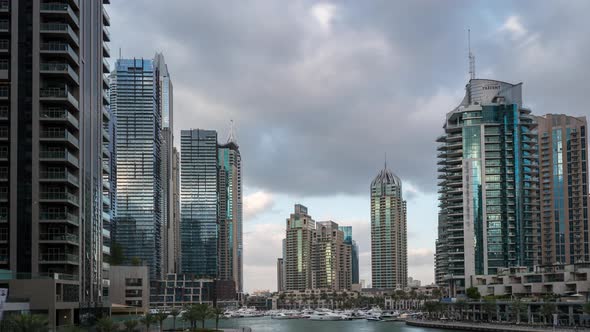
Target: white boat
<point>283,315</point>
<point>374,319</point>
<point>325,316</point>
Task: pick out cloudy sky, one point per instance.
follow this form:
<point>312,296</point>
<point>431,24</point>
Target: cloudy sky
<point>321,90</point>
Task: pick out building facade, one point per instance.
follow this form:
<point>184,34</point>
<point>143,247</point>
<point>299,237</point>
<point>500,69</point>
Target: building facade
<point>300,227</point>
<point>280,275</point>
<point>389,262</point>
<point>198,203</point>
<point>331,263</point>
<point>180,290</point>
<point>52,112</point>
<point>174,229</point>
<point>563,176</point>
<point>130,286</point>
<point>230,213</point>
<point>136,102</point>
<point>354,253</point>
<point>489,203</point>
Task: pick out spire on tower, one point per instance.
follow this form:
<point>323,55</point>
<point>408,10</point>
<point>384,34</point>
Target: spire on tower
<point>232,137</point>
<point>385,161</point>
<point>471,56</point>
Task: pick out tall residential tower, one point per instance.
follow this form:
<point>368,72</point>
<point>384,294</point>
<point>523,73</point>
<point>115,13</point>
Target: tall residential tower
<point>389,261</point>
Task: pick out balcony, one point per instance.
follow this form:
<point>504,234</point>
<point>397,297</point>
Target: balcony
<point>106,201</point>
<point>106,233</point>
<point>58,217</point>
<point>61,49</point>
<point>58,197</point>
<point>59,238</point>
<point>59,156</point>
<point>51,258</point>
<point>106,35</point>
<point>4,6</point>
<point>105,152</point>
<point>106,51</point>
<point>57,115</point>
<point>60,10</point>
<point>4,92</point>
<point>60,30</point>
<point>59,94</point>
<point>106,216</point>
<point>63,135</point>
<point>4,26</point>
<point>60,69</point>
<point>4,133</point>
<point>105,81</point>
<point>106,185</point>
<point>106,68</point>
<point>59,176</point>
<point>4,46</point>
<point>105,98</point>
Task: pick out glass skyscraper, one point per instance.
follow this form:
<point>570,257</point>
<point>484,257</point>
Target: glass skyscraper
<point>389,261</point>
<point>136,102</point>
<point>489,205</point>
<point>198,202</point>
<point>230,213</point>
<point>354,254</point>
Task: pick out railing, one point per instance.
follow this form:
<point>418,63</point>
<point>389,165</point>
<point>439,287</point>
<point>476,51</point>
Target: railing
<point>58,113</point>
<point>59,175</point>
<point>4,25</point>
<point>58,237</point>
<point>60,27</point>
<point>4,5</point>
<point>55,6</point>
<point>59,67</point>
<point>48,257</point>
<point>54,92</point>
<point>64,134</point>
<point>4,44</point>
<point>58,216</point>
<point>59,196</point>
<point>4,91</point>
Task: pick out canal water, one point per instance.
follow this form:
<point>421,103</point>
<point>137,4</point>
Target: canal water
<point>266,324</point>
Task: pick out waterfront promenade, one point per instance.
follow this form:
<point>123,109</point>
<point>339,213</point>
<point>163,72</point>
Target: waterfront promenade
<point>487,327</point>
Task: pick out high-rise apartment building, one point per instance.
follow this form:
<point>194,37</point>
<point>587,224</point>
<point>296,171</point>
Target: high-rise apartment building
<point>331,263</point>
<point>299,231</point>
<point>389,260</point>
<point>174,227</point>
<point>354,253</point>
<point>52,111</point>
<point>280,275</point>
<point>198,202</point>
<point>563,175</point>
<point>489,204</point>
<point>230,212</point>
<point>136,100</point>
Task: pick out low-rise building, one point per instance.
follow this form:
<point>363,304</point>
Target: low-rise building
<point>179,290</point>
<point>130,287</point>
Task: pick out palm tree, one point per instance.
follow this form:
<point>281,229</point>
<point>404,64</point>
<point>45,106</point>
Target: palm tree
<point>517,307</point>
<point>461,305</point>
<point>197,313</point>
<point>130,325</point>
<point>216,313</point>
<point>106,324</point>
<point>27,323</point>
<point>547,309</point>
<point>174,313</point>
<point>148,320</point>
<point>489,307</point>
<point>71,328</point>
<point>160,317</point>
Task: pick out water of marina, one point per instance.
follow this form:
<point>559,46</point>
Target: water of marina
<point>267,324</point>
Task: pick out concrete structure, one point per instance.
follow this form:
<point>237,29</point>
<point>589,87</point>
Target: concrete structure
<point>137,101</point>
<point>229,184</point>
<point>489,203</point>
<point>52,112</point>
<point>563,177</point>
<point>130,287</point>
<point>299,233</point>
<point>179,290</point>
<point>280,275</point>
<point>311,298</point>
<point>199,203</point>
<point>331,263</point>
<point>389,257</point>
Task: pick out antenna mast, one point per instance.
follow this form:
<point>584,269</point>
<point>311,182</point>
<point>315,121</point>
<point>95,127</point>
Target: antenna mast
<point>471,56</point>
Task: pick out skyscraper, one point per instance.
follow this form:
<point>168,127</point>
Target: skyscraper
<point>230,212</point>
<point>563,163</point>
<point>174,229</point>
<point>280,275</point>
<point>52,112</point>
<point>331,264</point>
<point>389,262</point>
<point>488,187</point>
<point>299,233</point>
<point>198,202</point>
<point>137,104</point>
<point>354,253</point>
<point>165,94</point>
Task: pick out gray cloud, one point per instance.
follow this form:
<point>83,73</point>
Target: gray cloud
<point>316,108</point>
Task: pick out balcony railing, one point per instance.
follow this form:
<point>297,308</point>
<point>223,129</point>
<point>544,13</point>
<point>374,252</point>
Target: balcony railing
<point>60,27</point>
<point>4,25</point>
<point>59,175</point>
<point>58,237</point>
<point>4,5</point>
<point>60,134</point>
<point>60,68</point>
<point>50,257</point>
<point>60,47</point>
<point>58,216</point>
<point>64,155</point>
<point>61,7</point>
<point>62,92</point>
<point>58,114</point>
<point>59,196</point>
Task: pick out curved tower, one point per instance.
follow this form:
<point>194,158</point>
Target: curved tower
<point>389,262</point>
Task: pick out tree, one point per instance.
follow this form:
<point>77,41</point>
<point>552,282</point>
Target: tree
<point>473,293</point>
<point>461,305</point>
<point>489,307</point>
<point>436,293</point>
<point>174,313</point>
<point>160,317</point>
<point>216,313</point>
<point>27,323</point>
<point>147,321</point>
<point>135,261</point>
<point>130,325</point>
<point>548,309</point>
<point>71,328</point>
<point>106,324</point>
<point>197,313</point>
<point>517,307</point>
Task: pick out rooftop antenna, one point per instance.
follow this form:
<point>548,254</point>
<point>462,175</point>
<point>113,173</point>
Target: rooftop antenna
<point>120,53</point>
<point>471,56</point>
<point>231,137</point>
<point>385,160</point>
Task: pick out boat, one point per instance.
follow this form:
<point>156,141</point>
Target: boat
<point>326,316</point>
<point>374,319</point>
<point>283,315</point>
